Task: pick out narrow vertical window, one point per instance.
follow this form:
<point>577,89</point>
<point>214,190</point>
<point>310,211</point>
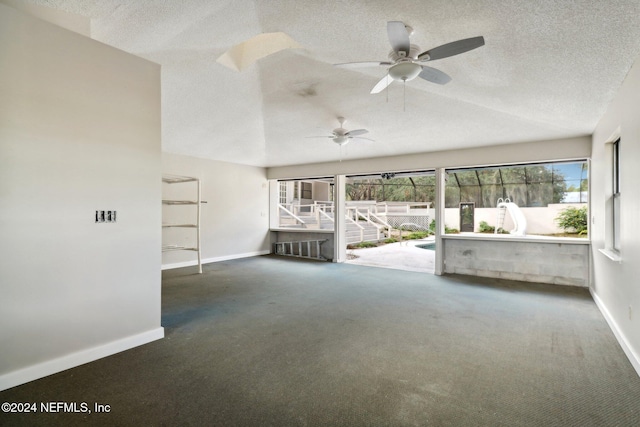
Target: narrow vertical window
<point>615,205</point>
<point>305,190</point>
<point>282,193</point>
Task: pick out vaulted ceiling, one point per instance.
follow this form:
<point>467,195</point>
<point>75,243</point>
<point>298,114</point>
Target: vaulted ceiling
<point>548,70</point>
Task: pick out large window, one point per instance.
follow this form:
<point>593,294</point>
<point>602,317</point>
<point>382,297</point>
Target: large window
<point>548,199</point>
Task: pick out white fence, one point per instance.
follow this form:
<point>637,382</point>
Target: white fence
<point>362,215</point>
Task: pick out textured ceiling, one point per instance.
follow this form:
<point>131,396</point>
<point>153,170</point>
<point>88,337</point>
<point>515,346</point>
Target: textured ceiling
<point>548,70</point>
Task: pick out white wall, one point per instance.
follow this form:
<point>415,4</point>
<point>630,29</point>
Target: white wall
<point>615,285</point>
<point>79,131</point>
<point>70,21</point>
<point>321,191</point>
<point>235,219</point>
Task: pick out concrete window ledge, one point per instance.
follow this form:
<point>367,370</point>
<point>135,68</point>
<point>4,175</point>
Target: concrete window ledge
<point>512,238</point>
<point>302,230</point>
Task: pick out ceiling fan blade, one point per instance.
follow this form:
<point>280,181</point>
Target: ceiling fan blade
<point>453,48</point>
<point>398,37</point>
<point>362,138</point>
<point>356,132</point>
<point>323,136</point>
<point>382,84</point>
<point>434,76</point>
<point>361,64</point>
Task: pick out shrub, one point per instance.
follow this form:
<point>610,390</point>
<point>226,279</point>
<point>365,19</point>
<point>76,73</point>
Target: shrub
<point>573,220</point>
<point>484,227</point>
<point>447,230</point>
<point>366,245</point>
<point>390,240</point>
<point>417,235</point>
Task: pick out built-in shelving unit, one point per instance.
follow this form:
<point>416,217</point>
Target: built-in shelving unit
<point>196,201</point>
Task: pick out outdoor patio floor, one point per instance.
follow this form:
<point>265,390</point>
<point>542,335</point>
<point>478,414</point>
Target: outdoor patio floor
<point>400,256</point>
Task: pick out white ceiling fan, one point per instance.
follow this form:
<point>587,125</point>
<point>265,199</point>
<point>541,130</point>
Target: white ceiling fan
<point>341,136</point>
<point>406,63</point>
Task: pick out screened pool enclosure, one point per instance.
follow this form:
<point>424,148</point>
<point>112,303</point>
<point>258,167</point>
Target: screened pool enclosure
<point>393,200</point>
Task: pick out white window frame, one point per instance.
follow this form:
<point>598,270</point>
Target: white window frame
<point>613,210</point>
<point>306,189</point>
<point>615,196</point>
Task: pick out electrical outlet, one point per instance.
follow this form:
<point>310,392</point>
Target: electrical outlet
<point>105,216</point>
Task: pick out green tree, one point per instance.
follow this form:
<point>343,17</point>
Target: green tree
<point>531,185</point>
<point>366,189</point>
<point>401,189</point>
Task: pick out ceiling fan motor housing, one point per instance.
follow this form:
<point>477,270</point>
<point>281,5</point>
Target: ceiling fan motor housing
<point>404,68</point>
<point>414,51</point>
<point>339,136</point>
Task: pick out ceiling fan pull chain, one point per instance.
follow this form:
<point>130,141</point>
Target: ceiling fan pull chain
<point>404,96</point>
<point>387,88</point>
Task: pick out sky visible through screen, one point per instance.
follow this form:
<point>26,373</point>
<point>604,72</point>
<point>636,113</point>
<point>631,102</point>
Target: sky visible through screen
<point>571,171</point>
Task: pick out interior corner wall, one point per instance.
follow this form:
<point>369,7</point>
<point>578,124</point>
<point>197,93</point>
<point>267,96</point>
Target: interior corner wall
<point>615,285</point>
<point>72,22</point>
<point>235,218</point>
<point>79,132</point>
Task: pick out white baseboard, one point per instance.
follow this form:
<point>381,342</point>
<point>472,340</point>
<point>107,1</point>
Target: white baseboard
<point>69,361</point>
<point>215,259</point>
<point>633,357</point>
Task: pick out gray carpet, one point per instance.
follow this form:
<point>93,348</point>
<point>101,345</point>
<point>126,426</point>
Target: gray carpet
<point>271,341</point>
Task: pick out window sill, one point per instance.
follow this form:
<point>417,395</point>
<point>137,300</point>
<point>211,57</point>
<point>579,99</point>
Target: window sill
<point>612,255</point>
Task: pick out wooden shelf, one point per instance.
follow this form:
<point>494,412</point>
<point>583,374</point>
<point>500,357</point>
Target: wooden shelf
<point>167,248</point>
<point>175,179</point>
<point>179,202</point>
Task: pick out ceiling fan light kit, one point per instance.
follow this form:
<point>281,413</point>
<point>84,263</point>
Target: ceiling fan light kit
<point>405,71</point>
<point>341,139</point>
